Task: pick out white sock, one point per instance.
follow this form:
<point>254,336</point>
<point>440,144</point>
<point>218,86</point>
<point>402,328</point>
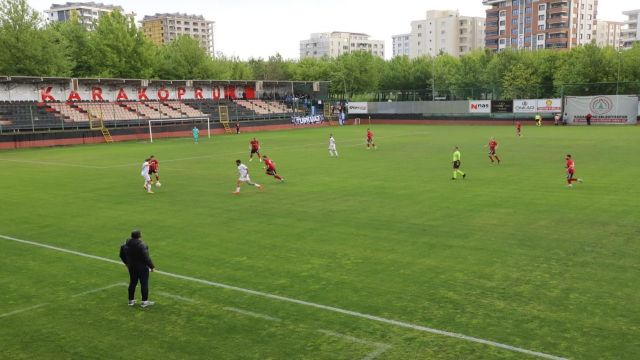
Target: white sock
<point>238,189</point>
<point>256,185</point>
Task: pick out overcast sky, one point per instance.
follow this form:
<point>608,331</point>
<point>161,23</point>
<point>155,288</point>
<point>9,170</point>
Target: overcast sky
<point>259,28</point>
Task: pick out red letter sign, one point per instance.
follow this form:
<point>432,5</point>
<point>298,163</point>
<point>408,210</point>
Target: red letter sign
<point>45,94</point>
<point>142,94</point>
<point>216,93</point>
<point>96,94</point>
<point>73,95</point>
<point>163,94</point>
<point>181,92</point>
<point>198,94</point>
<point>122,95</point>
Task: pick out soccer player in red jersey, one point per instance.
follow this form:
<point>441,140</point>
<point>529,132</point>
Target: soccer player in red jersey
<point>571,171</point>
<point>493,145</point>
<point>255,149</point>
<point>153,170</point>
<point>370,142</point>
<point>270,167</point>
<point>518,128</point>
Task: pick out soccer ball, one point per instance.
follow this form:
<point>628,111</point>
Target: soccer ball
<point>158,184</point>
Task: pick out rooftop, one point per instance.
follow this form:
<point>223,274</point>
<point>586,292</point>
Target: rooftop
<point>174,15</point>
<point>86,4</point>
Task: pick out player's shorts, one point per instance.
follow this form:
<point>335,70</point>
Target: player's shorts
<point>570,174</point>
<point>146,177</point>
<point>271,172</point>
<point>369,140</point>
<point>456,164</point>
<point>332,147</point>
<point>492,151</point>
<point>253,151</point>
<point>244,179</point>
<point>151,172</point>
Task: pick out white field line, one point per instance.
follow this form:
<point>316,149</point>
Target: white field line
<point>352,143</point>
<point>52,163</point>
<point>23,310</point>
<point>177,297</point>
<point>379,347</point>
<point>73,296</point>
<point>251,313</point>
<point>379,319</point>
<point>98,290</point>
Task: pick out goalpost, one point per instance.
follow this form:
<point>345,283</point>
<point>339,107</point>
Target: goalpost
<point>179,120</point>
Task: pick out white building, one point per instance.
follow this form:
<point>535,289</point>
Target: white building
<point>586,21</point>
<point>631,30</point>
<point>336,43</point>
<point>608,33</point>
<point>88,12</point>
<point>445,31</point>
<point>401,45</point>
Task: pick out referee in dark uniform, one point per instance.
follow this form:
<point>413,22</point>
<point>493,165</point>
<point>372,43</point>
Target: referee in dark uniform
<point>135,254</point>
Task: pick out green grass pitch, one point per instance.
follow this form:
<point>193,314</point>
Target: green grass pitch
<point>509,255</point>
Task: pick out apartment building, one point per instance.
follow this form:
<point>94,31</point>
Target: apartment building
<point>334,44</point>
<point>164,28</point>
<point>401,45</point>
<point>442,31</point>
<point>88,13</point>
<point>539,24</point>
<point>631,30</point>
<point>608,33</point>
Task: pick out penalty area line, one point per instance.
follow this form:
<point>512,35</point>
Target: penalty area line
<point>379,319</point>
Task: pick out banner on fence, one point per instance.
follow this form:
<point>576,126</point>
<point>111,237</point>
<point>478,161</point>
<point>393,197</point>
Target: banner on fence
<point>549,106</point>
<point>305,120</point>
<point>501,106</point>
<point>480,106</point>
<point>525,106</point>
<point>358,108</point>
<point>608,109</point>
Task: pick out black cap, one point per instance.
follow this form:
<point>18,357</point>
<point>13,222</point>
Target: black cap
<point>135,234</point>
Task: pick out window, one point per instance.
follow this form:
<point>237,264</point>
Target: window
<point>503,23</point>
<point>515,2</point>
<point>515,12</point>
<point>540,27</point>
<point>542,7</point>
<point>527,20</point>
<point>540,37</point>
<point>514,31</point>
<point>540,17</point>
<point>503,13</point>
<point>514,22</point>
<point>588,36</point>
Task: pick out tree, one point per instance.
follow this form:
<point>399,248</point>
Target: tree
<point>75,37</point>
<point>28,49</point>
<point>184,59</point>
<point>119,49</point>
<point>519,82</point>
<point>356,73</point>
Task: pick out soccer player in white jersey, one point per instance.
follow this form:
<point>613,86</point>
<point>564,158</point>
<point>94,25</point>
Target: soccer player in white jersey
<point>332,146</point>
<point>145,175</point>
<point>243,173</point>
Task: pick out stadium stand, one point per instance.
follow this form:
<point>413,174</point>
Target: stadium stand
<point>29,115</point>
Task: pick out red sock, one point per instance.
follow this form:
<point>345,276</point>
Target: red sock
<point>277,177</point>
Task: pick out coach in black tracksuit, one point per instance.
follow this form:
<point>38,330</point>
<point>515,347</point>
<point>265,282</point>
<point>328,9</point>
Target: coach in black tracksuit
<point>135,254</point>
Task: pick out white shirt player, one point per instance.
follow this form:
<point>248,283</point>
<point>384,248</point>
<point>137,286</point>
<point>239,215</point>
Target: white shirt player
<point>243,172</point>
<point>332,143</point>
<point>145,171</point>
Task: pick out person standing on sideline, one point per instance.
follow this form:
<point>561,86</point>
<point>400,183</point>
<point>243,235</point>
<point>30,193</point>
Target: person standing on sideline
<point>243,177</point>
<point>332,146</point>
<point>538,120</point>
<point>145,174</point>
<point>134,253</point>
<point>588,118</point>
<point>237,128</point>
<point>196,134</point>
<point>456,164</point>
<point>518,128</point>
<point>556,119</point>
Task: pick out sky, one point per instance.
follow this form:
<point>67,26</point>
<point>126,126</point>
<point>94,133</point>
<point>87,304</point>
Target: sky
<point>260,28</point>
